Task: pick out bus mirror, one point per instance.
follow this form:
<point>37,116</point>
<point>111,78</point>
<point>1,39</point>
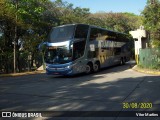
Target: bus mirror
<point>42,46</point>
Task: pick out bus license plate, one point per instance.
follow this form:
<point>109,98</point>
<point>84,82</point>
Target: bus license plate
<point>56,73</point>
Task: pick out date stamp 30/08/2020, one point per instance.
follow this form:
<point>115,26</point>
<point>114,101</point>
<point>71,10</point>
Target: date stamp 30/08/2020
<point>136,105</point>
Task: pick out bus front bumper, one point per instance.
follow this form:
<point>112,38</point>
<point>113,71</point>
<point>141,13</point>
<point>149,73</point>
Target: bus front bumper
<point>59,71</point>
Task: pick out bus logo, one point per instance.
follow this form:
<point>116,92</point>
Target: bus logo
<point>6,114</point>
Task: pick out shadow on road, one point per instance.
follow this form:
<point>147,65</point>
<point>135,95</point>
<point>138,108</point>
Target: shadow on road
<point>112,69</point>
<point>103,91</point>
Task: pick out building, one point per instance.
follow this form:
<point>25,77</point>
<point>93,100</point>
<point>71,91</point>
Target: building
<point>141,40</point>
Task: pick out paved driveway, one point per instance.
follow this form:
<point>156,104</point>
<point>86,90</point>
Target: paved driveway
<point>103,91</point>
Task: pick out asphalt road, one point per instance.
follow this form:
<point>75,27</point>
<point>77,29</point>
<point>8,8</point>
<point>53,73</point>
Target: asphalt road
<point>106,90</point>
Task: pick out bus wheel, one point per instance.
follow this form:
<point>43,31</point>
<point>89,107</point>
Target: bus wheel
<point>96,67</point>
<point>89,68</point>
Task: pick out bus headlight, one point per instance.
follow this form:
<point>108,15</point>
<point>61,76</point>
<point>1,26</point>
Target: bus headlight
<point>68,67</point>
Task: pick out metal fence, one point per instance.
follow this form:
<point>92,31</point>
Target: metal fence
<point>150,58</point>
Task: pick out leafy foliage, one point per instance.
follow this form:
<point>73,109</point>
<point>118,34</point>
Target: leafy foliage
<point>151,20</point>
<point>35,18</point>
<point>122,22</point>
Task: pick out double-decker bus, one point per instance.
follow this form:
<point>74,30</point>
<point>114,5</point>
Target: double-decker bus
<point>78,48</point>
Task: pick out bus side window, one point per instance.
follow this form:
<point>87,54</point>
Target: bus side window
<point>98,34</point>
<point>81,31</point>
<point>78,49</point>
<point>93,34</point>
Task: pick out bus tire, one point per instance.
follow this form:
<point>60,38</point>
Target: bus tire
<point>89,68</point>
<point>96,67</point>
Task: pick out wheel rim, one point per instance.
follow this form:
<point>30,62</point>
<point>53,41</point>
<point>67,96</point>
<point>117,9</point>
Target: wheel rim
<point>88,69</point>
<point>96,67</point>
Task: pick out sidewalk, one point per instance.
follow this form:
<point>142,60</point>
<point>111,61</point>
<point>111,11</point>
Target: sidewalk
<point>147,71</point>
<point>20,74</point>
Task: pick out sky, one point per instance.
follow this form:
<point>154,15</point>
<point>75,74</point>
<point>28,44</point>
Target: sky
<point>133,6</point>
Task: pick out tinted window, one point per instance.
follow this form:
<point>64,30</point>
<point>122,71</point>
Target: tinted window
<point>100,34</point>
<point>78,49</point>
<point>59,34</point>
<point>81,31</point>
<point>94,33</point>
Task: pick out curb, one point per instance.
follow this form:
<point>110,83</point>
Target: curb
<point>22,74</point>
<point>147,71</point>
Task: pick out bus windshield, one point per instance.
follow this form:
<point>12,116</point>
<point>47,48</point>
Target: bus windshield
<point>58,55</point>
<point>69,52</point>
<point>60,34</point>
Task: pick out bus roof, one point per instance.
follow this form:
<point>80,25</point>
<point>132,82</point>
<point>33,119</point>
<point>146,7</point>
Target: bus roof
<point>93,26</point>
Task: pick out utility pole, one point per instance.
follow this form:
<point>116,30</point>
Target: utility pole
<point>15,38</point>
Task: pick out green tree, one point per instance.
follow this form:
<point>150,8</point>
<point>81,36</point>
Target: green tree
<point>33,23</point>
<point>68,15</point>
<point>122,22</point>
<point>39,19</point>
<point>151,14</point>
<point>7,27</point>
